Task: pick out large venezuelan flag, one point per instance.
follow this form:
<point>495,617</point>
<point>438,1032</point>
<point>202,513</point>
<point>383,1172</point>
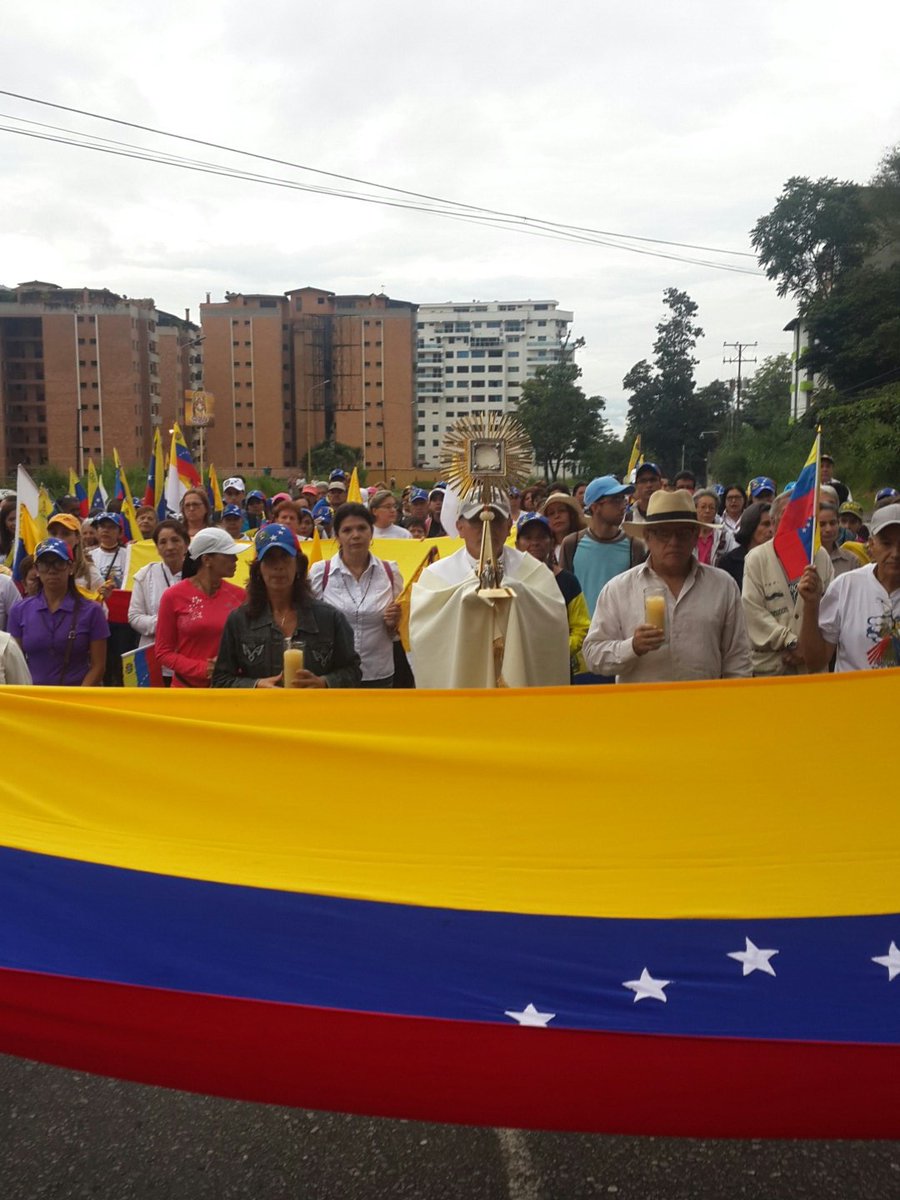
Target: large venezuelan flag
<point>461,925</point>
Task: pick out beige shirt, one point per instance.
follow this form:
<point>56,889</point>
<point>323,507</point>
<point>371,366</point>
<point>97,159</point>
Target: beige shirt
<point>773,609</point>
<point>706,637</point>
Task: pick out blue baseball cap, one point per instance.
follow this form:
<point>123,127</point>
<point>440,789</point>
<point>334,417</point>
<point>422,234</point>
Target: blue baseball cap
<point>529,519</point>
<point>98,517</point>
<point>255,495</point>
<point>604,486</point>
<point>232,510</point>
<point>886,492</point>
<point>337,474</point>
<point>276,536</point>
<point>648,466</point>
<point>719,489</point>
<point>55,546</point>
<point>321,510</point>
<point>417,494</point>
<point>762,483</point>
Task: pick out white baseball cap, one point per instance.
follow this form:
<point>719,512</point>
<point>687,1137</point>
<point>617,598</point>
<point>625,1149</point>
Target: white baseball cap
<point>234,481</point>
<point>212,541</point>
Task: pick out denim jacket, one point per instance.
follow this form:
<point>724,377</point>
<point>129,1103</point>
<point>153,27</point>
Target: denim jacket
<point>253,648</point>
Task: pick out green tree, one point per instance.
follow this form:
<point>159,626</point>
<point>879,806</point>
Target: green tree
<point>766,396</point>
<point>328,456</point>
<point>817,230</point>
<point>665,406</point>
<point>561,421</point>
<point>856,330</point>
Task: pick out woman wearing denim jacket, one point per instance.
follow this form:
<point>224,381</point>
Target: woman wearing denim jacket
<point>279,606</point>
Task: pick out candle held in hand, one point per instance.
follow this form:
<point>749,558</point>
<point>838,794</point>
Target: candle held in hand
<point>293,664</point>
<point>655,611</point>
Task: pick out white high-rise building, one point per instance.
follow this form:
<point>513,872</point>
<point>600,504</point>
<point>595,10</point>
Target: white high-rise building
<point>475,357</point>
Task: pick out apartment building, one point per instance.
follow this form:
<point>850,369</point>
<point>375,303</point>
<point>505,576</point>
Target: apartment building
<point>290,371</point>
<point>475,357</point>
<point>81,373</point>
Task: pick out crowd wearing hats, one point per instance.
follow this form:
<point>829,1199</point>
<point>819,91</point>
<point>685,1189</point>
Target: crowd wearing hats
<point>659,580</point>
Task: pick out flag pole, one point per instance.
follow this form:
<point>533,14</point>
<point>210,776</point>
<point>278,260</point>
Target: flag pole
<point>815,525</point>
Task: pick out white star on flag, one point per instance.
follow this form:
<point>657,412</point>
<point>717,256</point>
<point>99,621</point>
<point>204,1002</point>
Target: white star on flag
<point>891,960</point>
<point>648,988</point>
<point>753,958</point>
<point>530,1016</point>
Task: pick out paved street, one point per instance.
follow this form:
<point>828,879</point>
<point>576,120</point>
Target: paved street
<point>69,1136</point>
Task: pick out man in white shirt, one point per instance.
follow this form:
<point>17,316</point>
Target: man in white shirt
<point>859,614</point>
<point>460,638</point>
<point>13,667</point>
<point>772,606</point>
<point>702,635</point>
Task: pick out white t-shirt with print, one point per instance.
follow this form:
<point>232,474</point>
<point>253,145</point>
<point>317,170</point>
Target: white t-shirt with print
<point>859,617</point>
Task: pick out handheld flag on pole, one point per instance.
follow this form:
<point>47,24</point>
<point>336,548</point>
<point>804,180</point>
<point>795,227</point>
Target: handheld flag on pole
<point>182,472</point>
<point>27,539</point>
<point>122,491</point>
<point>44,512</point>
<point>76,489</point>
<point>213,494</point>
<point>155,494</point>
<point>95,493</point>
<point>354,495</point>
<point>314,554</point>
<point>797,537</point>
<point>637,457</point>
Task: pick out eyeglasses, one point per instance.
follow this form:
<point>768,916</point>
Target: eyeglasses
<point>673,535</point>
<point>51,564</point>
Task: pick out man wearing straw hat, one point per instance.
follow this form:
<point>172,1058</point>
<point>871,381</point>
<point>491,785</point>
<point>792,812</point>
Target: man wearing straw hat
<point>671,617</point>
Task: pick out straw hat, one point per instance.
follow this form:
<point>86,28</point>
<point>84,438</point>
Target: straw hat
<point>667,508</point>
<point>569,502</point>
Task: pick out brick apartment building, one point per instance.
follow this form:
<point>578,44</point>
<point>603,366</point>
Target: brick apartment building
<point>83,370</point>
<point>289,371</point>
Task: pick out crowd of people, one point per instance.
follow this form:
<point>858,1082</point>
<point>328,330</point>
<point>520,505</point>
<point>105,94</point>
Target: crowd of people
<point>650,580</point>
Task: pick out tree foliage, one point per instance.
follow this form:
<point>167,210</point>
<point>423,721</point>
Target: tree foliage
<point>766,398</point>
<point>561,421</point>
<point>665,406</point>
<point>328,456</point>
<point>856,330</point>
<point>817,230</point>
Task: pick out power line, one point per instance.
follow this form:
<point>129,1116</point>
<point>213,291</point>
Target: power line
<point>499,216</point>
<point>164,158</point>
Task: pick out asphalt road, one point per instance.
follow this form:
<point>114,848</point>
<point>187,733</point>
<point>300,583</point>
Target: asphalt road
<point>71,1136</point>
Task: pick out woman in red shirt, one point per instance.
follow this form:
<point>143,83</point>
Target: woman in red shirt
<point>192,613</point>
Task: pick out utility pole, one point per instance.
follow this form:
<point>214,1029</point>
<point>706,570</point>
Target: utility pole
<point>740,347</point>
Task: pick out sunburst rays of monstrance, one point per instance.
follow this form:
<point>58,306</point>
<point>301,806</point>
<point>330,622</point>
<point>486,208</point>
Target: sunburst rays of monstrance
<point>482,457</point>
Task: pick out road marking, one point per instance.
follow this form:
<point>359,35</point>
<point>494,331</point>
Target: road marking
<point>522,1182</point>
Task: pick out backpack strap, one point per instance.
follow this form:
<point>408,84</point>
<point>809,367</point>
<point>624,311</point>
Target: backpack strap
<point>326,573</point>
<point>390,574</point>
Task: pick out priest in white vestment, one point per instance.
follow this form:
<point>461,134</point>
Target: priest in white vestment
<point>459,639</point>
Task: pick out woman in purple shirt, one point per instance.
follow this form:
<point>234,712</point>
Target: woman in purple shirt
<point>62,634</point>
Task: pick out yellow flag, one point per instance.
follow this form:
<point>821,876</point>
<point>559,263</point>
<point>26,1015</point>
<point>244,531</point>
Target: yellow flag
<point>132,533</point>
<point>354,495</point>
<point>635,461</point>
<point>95,497</point>
<point>45,509</point>
<point>315,553</point>
<point>29,530</point>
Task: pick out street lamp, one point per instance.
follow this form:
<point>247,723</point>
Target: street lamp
<point>309,393</point>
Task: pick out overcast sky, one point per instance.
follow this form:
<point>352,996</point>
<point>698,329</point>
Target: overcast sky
<point>672,121</point>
